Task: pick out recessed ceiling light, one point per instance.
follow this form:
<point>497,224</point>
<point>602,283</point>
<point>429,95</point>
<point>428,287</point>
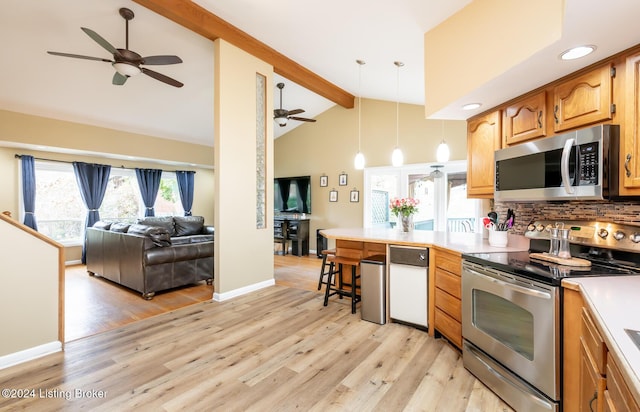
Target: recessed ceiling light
<point>471,106</point>
<point>577,52</point>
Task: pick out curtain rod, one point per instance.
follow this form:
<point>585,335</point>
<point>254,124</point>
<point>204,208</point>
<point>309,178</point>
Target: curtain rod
<point>18,156</point>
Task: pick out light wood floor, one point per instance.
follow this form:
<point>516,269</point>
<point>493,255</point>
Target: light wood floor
<point>277,349</point>
<point>94,305</point>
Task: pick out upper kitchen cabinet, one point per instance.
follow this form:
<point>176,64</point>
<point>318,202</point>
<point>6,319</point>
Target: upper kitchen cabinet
<point>483,139</point>
<point>525,119</point>
<point>630,144</point>
<point>584,100</point>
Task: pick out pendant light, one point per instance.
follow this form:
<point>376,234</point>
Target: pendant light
<point>396,157</point>
<point>358,162</point>
<point>443,152</point>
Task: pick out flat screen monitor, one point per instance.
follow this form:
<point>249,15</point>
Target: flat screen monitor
<point>292,194</point>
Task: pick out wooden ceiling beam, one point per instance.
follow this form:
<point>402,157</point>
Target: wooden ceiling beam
<point>201,21</point>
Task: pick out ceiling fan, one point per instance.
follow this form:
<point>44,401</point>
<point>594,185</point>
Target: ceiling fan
<point>127,62</point>
<point>281,116</point>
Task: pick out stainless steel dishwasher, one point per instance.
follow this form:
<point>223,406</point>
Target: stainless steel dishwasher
<point>408,284</point>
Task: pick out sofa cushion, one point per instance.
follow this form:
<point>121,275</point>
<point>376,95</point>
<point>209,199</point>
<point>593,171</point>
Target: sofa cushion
<point>201,238</point>
<point>159,221</point>
<point>159,235</point>
<point>102,225</point>
<point>119,227</point>
<point>188,225</point>
<point>181,240</point>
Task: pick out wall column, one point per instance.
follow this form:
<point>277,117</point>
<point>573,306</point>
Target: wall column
<point>243,252</point>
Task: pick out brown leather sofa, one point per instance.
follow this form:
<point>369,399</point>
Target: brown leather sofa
<point>155,254</point>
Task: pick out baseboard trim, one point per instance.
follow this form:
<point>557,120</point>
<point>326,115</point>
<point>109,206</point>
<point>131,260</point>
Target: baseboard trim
<point>72,262</point>
<point>29,354</point>
<point>219,297</point>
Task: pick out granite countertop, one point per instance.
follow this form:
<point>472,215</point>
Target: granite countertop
<point>614,302</point>
<point>459,242</point>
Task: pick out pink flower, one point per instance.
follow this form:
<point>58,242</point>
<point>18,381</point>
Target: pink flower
<point>404,206</point>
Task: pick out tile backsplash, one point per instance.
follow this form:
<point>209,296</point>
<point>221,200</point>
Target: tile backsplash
<point>620,212</point>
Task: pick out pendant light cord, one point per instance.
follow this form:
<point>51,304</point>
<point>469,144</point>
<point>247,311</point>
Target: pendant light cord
<point>398,65</point>
<point>360,63</point>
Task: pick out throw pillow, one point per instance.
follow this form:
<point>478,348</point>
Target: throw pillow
<point>102,225</point>
<point>188,225</point>
<point>120,227</point>
<point>159,221</point>
<point>159,235</point>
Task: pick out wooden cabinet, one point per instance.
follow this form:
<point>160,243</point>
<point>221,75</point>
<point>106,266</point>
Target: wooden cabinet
<point>592,366</point>
<point>584,100</point>
<point>483,139</point>
<point>447,294</point>
<point>525,119</point>
<point>592,377</point>
<point>618,397</point>
<point>630,138</point>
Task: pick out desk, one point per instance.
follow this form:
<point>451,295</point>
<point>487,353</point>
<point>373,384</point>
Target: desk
<point>296,230</point>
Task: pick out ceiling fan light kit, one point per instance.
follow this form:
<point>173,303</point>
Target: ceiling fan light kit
<point>282,116</point>
<point>127,63</point>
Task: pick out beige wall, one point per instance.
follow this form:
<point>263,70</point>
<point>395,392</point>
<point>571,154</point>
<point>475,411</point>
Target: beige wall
<point>29,294</point>
<point>104,144</point>
<point>489,35</point>
<point>243,252</point>
<point>329,146</point>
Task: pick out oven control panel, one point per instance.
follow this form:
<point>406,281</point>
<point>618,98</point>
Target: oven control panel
<point>591,233</point>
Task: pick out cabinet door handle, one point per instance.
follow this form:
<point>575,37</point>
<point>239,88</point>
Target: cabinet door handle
<point>555,114</point>
<point>626,165</point>
<point>540,119</point>
<point>595,396</point>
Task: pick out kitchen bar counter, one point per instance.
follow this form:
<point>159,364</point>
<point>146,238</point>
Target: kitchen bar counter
<point>445,250</point>
<point>615,303</point>
<point>458,242</point>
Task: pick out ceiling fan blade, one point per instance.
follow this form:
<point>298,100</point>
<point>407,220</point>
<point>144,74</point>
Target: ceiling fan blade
<point>119,79</point>
<point>78,56</point>
<point>158,76</point>
<point>302,119</point>
<point>295,111</point>
<point>101,41</point>
<point>161,60</point>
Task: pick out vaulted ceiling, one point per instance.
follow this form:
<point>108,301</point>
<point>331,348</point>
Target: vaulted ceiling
<point>324,37</point>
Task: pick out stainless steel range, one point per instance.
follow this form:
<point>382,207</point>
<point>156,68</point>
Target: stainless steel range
<point>512,306</point>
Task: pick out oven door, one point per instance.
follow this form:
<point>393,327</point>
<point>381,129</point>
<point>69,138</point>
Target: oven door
<point>516,322</point>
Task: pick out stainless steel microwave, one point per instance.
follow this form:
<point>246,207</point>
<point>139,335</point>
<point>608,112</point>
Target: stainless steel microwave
<point>579,165</point>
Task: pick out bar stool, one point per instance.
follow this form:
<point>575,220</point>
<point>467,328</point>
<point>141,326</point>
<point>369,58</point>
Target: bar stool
<point>327,268</point>
<point>339,290</point>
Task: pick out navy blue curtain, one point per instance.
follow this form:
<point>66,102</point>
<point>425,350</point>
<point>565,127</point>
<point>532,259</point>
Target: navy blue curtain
<point>185,187</point>
<point>92,181</point>
<point>29,191</point>
<point>149,182</point>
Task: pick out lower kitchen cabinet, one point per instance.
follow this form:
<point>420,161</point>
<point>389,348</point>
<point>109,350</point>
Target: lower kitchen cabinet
<point>592,359</point>
<point>587,361</point>
<point>447,294</point>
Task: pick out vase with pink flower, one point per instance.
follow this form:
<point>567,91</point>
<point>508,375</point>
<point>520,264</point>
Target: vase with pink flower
<point>404,208</point>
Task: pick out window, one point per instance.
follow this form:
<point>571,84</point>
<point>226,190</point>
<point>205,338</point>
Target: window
<point>60,211</point>
<point>443,201</point>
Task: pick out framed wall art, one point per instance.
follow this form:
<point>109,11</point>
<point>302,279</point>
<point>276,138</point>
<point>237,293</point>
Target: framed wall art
<point>342,179</point>
<point>354,196</point>
<point>333,196</point>
<point>324,181</point>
